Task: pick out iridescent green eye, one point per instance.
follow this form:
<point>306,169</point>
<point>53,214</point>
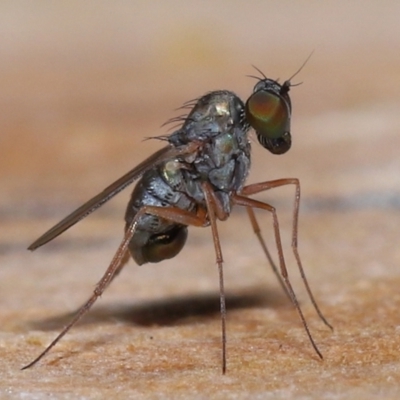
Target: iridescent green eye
<point>268,114</point>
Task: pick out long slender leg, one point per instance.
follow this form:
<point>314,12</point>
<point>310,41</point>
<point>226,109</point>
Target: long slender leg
<point>263,186</point>
<point>257,231</point>
<point>214,209</point>
<point>99,289</point>
<point>170,213</point>
<point>247,202</point>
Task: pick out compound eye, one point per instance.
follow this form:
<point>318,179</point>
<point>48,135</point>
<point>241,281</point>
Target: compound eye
<point>268,114</point>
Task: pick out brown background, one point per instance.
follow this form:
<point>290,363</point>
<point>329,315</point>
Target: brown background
<point>82,83</point>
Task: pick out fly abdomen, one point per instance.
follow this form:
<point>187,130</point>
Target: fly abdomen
<point>156,239</point>
<point>161,246</point>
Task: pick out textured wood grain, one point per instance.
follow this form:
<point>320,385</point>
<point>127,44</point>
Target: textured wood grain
<point>82,85</point>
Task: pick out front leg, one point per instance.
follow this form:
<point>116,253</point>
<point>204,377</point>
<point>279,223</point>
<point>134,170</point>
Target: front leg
<point>251,203</point>
<point>264,186</point>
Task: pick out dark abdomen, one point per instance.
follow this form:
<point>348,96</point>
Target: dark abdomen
<point>156,239</point>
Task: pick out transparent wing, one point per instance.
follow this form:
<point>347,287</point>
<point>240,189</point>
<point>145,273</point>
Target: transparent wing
<point>162,155</point>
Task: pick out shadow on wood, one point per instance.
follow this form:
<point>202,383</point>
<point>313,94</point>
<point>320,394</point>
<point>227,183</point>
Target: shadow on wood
<point>170,311</point>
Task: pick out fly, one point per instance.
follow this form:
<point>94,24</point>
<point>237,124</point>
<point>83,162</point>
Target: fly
<point>195,180</point>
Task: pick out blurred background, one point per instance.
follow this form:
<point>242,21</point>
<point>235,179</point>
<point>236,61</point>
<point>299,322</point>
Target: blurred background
<point>83,83</point>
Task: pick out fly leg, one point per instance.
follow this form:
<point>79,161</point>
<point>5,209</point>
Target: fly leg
<point>215,211</point>
<point>251,203</point>
<point>169,213</point>
<point>257,231</point>
<point>264,186</point>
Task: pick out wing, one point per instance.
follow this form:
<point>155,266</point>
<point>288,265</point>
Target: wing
<point>160,156</point>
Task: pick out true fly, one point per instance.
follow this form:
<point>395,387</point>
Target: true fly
<point>195,180</point>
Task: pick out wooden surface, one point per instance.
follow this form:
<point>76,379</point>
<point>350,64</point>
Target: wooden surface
<point>82,84</point>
